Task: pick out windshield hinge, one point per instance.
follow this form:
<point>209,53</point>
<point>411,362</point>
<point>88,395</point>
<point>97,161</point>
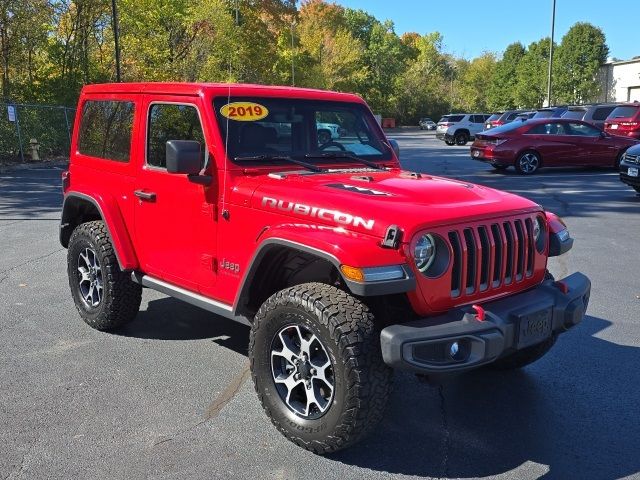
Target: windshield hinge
<point>392,237</point>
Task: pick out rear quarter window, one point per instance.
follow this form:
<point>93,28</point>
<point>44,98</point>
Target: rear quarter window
<point>455,118</point>
<point>601,113</point>
<point>105,129</point>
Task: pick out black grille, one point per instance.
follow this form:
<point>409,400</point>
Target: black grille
<point>490,256</point>
<point>632,158</point>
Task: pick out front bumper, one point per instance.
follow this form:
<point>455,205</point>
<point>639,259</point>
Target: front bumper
<point>510,324</point>
<point>624,174</point>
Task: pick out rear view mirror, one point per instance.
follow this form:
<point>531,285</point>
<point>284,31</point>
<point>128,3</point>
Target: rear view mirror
<point>184,156</point>
<point>395,147</point>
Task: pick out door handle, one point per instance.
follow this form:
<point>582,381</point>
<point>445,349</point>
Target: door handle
<point>148,196</point>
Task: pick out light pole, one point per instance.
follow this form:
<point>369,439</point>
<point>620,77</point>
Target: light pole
<point>116,39</point>
<point>553,24</point>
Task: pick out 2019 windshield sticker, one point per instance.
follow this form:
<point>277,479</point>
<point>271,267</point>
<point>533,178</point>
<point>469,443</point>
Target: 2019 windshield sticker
<point>244,111</point>
<point>318,212</point>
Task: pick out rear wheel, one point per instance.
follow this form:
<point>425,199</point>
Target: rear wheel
<point>528,162</point>
<point>449,142</point>
<point>317,367</point>
<point>461,138</point>
<point>105,296</point>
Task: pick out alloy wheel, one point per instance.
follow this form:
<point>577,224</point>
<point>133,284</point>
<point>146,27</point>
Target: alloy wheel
<point>90,277</point>
<point>302,371</point>
<point>529,162</point>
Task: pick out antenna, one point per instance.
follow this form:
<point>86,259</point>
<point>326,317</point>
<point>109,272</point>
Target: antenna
<point>225,212</point>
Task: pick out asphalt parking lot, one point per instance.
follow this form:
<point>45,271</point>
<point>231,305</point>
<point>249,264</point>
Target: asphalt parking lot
<point>169,396</point>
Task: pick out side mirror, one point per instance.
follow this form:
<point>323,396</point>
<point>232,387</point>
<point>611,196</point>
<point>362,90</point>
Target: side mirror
<point>395,147</point>
<point>183,156</point>
<point>604,134</point>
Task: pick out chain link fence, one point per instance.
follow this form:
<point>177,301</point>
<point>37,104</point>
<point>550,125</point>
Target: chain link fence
<point>30,133</point>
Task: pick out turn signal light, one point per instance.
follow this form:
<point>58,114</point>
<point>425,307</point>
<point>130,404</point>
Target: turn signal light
<point>352,273</point>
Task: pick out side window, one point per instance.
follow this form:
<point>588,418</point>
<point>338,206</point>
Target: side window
<point>548,129</point>
<point>105,129</point>
<point>602,113</point>
<point>583,130</point>
<point>171,122</point>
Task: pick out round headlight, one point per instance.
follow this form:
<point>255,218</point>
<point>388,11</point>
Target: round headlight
<point>424,252</point>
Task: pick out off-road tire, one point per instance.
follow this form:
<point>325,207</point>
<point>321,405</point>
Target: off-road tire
<point>120,295</point>
<point>524,357</point>
<point>346,328</point>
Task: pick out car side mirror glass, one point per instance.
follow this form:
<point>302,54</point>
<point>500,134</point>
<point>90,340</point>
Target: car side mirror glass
<point>395,147</point>
<point>603,135</point>
<point>183,156</point>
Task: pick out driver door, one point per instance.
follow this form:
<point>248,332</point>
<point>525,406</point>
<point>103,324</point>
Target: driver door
<point>174,217</point>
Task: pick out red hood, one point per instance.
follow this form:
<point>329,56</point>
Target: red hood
<point>368,202</point>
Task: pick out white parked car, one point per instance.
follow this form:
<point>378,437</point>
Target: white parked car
<point>459,128</point>
<point>328,131</point>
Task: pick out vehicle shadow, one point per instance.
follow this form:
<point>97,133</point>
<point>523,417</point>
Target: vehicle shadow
<point>171,319</point>
<point>565,416</point>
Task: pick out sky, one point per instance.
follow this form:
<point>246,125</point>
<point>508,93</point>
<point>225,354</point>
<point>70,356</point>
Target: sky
<point>471,27</point>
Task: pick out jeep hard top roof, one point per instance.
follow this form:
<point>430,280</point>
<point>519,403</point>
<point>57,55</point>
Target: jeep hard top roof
<point>216,89</point>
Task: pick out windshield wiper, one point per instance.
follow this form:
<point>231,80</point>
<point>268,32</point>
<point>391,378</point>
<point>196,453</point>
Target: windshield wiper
<point>284,158</point>
<point>345,155</point>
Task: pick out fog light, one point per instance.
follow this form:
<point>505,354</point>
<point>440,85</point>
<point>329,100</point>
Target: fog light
<point>454,348</point>
<point>459,350</point>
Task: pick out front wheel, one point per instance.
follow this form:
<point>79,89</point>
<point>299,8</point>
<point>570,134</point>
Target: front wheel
<point>528,163</point>
<point>317,367</point>
<point>450,142</point>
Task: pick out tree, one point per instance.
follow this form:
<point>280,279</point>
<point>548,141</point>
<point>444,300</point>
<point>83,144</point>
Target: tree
<point>531,76</point>
<point>581,53</point>
<point>475,83</point>
<point>501,92</point>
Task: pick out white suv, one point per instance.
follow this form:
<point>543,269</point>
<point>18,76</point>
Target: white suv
<point>459,128</point>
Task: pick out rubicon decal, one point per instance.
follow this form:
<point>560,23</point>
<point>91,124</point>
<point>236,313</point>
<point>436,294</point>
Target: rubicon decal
<point>318,212</point>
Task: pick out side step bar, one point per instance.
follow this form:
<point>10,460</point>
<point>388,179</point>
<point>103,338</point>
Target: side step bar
<point>188,296</point>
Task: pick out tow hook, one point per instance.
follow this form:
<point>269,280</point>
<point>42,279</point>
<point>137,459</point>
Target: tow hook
<point>480,313</point>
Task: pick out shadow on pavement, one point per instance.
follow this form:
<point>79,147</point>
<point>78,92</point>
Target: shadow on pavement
<point>493,422</point>
<point>171,319</point>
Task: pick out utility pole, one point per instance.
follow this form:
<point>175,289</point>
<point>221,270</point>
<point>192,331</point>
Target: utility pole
<point>553,24</point>
<point>116,38</point>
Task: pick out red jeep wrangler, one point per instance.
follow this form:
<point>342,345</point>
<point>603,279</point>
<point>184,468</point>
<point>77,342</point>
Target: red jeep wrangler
<point>233,198</point>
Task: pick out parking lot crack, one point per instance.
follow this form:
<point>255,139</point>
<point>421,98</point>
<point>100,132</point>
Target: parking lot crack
<point>227,394</point>
<point>4,274</point>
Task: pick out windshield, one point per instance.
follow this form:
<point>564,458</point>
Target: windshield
<point>543,114</point>
<point>624,111</point>
<point>262,129</point>
<point>494,117</point>
<point>507,127</point>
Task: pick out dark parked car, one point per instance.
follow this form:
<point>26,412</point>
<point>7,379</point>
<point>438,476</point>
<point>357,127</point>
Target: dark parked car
<point>576,112</point>
<point>550,112</point>
<point>501,118</point>
<point>596,114</point>
<point>556,142</point>
<point>630,168</point>
<point>624,120</point>
<point>524,116</point>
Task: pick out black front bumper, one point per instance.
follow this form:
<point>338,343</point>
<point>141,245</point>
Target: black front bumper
<point>628,179</point>
<point>424,346</point>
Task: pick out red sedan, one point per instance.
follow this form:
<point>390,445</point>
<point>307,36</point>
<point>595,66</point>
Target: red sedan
<point>548,142</point>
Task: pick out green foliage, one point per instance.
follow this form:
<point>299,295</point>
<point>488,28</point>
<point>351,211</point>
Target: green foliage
<point>51,48</point>
<point>501,91</point>
<point>582,50</point>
